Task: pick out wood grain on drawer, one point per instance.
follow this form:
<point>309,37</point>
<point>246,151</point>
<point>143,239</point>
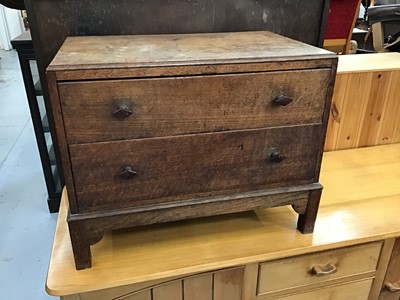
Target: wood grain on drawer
<point>193,164</point>
<point>356,290</point>
<point>182,105</point>
<point>296,272</point>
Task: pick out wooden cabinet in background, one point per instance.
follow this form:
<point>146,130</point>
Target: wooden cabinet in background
<point>365,107</point>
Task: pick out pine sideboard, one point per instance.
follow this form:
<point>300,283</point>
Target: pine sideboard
<point>352,254</point>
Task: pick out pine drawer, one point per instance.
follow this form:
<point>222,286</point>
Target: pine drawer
<point>302,270</point>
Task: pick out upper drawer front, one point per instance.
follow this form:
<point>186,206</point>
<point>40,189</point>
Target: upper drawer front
<point>192,164</point>
<point>300,271</point>
<point>129,109</point>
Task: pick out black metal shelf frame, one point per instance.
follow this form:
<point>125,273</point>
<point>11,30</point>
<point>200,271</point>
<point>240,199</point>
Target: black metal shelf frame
<point>23,45</point>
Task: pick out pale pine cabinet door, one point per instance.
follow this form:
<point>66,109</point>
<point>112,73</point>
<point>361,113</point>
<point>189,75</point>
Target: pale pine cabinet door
<point>225,284</point>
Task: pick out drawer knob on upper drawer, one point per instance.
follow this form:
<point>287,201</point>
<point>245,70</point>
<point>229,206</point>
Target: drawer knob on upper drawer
<point>282,100</point>
<point>393,287</point>
<point>127,172</point>
<point>123,111</point>
<point>323,270</point>
<point>275,156</point>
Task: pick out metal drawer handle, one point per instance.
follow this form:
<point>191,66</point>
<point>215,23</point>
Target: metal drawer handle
<point>127,172</point>
<point>123,111</point>
<point>275,156</point>
<point>324,270</point>
<point>393,287</point>
<point>282,100</point>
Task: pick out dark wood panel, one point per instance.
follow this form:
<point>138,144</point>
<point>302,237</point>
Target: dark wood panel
<point>52,21</point>
<point>165,107</point>
<point>192,164</point>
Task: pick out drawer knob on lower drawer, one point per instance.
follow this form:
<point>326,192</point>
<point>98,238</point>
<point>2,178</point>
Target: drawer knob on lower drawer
<point>275,156</point>
<point>324,270</point>
<point>127,172</point>
<point>393,287</point>
<point>123,111</point>
<point>282,100</point>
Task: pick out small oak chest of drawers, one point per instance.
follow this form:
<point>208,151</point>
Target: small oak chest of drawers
<point>159,128</point>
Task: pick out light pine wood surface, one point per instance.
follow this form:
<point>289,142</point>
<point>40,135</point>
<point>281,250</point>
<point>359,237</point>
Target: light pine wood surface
<point>360,203</point>
<point>369,62</point>
<point>365,107</point>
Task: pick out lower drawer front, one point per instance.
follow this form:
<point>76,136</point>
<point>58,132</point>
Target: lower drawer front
<point>192,165</point>
<point>301,271</point>
<point>357,290</point>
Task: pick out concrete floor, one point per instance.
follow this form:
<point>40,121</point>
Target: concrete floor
<point>26,226</point>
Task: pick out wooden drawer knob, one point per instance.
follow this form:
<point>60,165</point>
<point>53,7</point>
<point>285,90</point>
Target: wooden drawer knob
<point>127,172</point>
<point>282,100</point>
<point>275,156</point>
<point>324,270</point>
<point>123,111</point>
<point>393,287</point>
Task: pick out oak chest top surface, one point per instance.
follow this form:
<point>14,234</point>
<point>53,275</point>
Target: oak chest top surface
<point>105,52</point>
